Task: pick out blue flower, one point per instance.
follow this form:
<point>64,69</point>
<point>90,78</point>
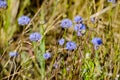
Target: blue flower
<point>23,20</point>
<point>80,29</point>
<point>61,41</point>
<point>3,4</point>
<point>12,54</point>
<point>70,45</point>
<point>112,1</point>
<point>78,19</point>
<point>46,55</point>
<point>34,36</point>
<point>96,42</point>
<point>66,23</point>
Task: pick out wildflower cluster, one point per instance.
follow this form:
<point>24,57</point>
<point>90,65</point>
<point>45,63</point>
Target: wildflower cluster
<point>79,28</point>
<point>49,47</point>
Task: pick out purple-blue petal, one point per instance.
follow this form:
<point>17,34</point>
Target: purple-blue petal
<point>71,45</point>
<point>61,41</point>
<point>13,54</point>
<point>3,4</point>
<point>78,19</point>
<point>35,36</point>
<point>23,20</point>
<point>46,55</point>
<point>96,41</point>
<point>66,23</point>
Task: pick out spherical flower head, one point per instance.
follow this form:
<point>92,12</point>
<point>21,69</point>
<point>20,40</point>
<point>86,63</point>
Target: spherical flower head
<point>61,41</point>
<point>23,20</point>
<point>66,23</point>
<point>13,54</point>
<point>78,19</point>
<point>77,27</point>
<point>96,42</point>
<point>34,36</point>
<point>3,4</point>
<point>70,45</point>
<point>80,29</point>
<point>46,55</point>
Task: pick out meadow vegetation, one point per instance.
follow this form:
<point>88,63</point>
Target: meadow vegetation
<point>50,43</point>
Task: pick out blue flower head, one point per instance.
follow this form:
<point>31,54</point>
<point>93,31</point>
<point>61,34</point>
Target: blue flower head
<point>34,36</point>
<point>78,19</point>
<point>46,55</point>
<point>96,42</point>
<point>70,45</point>
<point>55,65</point>
<point>66,23</point>
<point>23,20</point>
<point>3,4</point>
<point>80,29</point>
<point>13,54</point>
<point>61,41</point>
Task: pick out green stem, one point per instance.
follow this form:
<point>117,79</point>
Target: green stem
<point>64,35</point>
<point>42,46</point>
